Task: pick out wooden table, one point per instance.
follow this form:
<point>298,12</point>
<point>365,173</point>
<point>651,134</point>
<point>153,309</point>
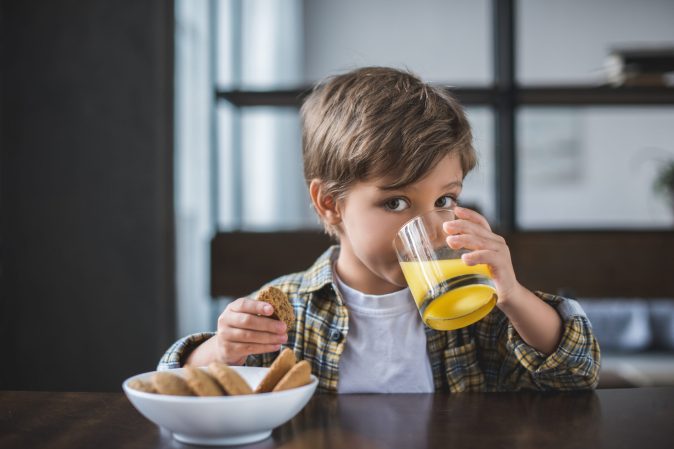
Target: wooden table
<point>620,418</point>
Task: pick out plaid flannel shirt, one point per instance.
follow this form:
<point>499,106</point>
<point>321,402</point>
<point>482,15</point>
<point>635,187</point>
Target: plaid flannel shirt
<point>486,356</point>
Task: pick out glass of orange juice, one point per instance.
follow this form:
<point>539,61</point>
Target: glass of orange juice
<point>449,294</point>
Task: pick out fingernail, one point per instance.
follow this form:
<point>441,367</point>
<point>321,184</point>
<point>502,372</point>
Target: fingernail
<point>281,327</point>
<point>268,309</point>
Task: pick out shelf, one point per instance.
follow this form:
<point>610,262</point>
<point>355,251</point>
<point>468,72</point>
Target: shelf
<point>595,96</point>
<point>476,96</point>
<point>246,98</point>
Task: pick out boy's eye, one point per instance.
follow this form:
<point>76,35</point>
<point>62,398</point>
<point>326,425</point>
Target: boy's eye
<point>396,204</point>
<point>445,202</point>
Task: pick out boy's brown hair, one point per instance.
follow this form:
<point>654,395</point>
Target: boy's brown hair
<point>376,121</point>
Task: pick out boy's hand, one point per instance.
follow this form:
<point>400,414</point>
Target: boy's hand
<point>244,329</point>
<point>471,231</point>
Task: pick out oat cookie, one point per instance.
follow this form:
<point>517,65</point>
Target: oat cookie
<point>283,363</point>
<point>201,382</point>
<point>299,375</point>
<point>283,310</point>
<point>230,381</point>
<point>167,383</point>
<point>141,385</point>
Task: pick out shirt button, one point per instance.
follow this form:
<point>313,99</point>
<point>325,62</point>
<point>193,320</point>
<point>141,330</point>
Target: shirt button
<point>335,335</point>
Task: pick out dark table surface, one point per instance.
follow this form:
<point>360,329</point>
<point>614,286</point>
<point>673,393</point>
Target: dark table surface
<point>620,418</point>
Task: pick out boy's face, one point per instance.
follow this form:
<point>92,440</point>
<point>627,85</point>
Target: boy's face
<point>371,215</point>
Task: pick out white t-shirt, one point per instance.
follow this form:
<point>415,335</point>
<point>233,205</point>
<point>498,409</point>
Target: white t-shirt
<point>385,349</point>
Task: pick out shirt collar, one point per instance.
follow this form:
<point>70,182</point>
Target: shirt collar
<point>320,273</point>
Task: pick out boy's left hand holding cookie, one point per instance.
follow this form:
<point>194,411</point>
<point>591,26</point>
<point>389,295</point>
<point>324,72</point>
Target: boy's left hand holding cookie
<point>536,322</point>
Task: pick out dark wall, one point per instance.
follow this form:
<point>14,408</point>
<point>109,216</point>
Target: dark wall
<point>86,191</point>
<point>613,264</point>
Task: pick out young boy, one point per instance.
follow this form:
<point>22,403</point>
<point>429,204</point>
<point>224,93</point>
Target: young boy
<point>380,147</point>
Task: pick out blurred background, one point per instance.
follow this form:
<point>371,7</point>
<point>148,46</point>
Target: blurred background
<point>150,162</point>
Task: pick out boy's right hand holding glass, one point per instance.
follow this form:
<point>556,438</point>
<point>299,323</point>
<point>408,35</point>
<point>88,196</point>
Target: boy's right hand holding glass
<point>244,328</point>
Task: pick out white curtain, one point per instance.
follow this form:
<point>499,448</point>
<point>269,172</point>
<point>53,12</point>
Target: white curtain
<point>193,109</point>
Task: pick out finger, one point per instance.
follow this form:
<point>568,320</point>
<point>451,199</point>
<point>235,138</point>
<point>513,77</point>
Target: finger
<point>473,242</point>
<point>497,263</point>
<point>479,257</point>
<point>238,335</point>
<point>471,215</point>
<point>254,322</point>
<point>252,348</point>
<point>245,305</point>
<point>461,226</point>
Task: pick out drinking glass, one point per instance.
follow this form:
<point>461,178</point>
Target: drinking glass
<point>449,294</point>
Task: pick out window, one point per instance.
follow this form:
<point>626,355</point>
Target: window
<point>543,125</point>
<point>592,167</point>
<point>590,164</point>
<point>567,42</point>
<point>443,41</point>
<point>269,51</point>
<point>263,188</point>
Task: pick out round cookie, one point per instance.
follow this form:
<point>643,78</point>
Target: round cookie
<point>283,310</point>
<point>201,382</point>
<point>141,385</point>
<point>230,381</point>
<point>283,363</point>
<point>167,383</point>
<point>299,375</point>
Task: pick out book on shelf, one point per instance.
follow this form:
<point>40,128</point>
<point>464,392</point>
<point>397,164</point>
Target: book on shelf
<point>640,66</point>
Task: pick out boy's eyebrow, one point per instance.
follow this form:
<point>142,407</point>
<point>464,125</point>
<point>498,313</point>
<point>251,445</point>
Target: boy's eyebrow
<point>453,184</point>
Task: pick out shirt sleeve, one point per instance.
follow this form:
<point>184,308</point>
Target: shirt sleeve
<point>261,360</point>
<point>574,365</point>
<point>176,355</point>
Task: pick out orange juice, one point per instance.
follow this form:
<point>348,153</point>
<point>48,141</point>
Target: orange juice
<point>463,294</point>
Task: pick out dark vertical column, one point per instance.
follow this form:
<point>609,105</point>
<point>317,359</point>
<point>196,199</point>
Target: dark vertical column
<point>505,138</point>
<point>86,193</point>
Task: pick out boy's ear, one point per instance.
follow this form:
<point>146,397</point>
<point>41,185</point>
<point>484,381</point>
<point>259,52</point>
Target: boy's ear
<point>325,205</point>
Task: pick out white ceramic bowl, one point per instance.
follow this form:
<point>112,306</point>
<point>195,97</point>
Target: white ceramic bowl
<point>221,420</point>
